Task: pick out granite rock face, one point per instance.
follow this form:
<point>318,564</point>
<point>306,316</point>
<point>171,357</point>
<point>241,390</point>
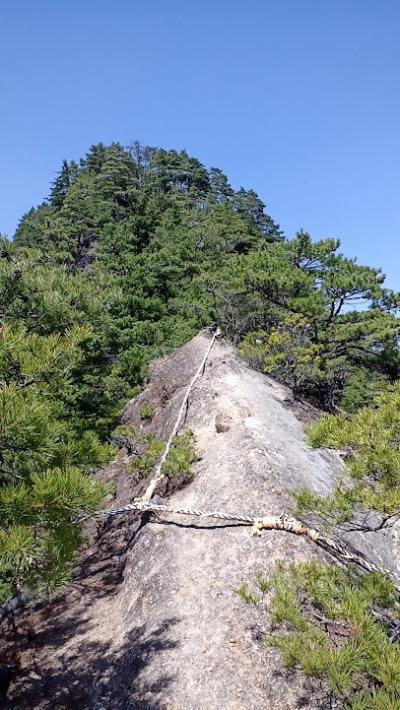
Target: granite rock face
<point>181,573</point>
<point>173,634</point>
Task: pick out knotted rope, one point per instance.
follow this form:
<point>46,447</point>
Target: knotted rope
<point>266,522</point>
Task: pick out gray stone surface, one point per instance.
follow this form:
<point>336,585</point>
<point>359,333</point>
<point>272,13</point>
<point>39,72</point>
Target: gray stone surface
<point>152,620</point>
<point>180,576</point>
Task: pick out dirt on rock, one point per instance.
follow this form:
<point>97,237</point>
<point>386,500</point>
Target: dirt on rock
<point>151,619</point>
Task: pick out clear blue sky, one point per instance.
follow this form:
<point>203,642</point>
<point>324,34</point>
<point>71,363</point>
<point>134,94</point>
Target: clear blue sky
<point>297,99</point>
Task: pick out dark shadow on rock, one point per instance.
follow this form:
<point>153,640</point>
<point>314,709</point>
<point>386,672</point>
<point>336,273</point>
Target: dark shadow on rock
<point>99,676</point>
<point>193,526</point>
<point>139,649</point>
<point>44,638</point>
<point>315,691</point>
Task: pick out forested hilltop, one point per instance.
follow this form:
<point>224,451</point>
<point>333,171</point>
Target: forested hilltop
<point>132,253</point>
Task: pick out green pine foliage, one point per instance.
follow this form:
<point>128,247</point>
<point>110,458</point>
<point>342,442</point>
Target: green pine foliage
<point>146,411</point>
<point>337,626</point>
<point>181,456</point>
<point>331,617</point>
<point>179,249</point>
<point>39,538</point>
<point>315,340</point>
<point>144,464</point>
<point>370,440</point>
<point>43,460</point>
<point>133,252</point>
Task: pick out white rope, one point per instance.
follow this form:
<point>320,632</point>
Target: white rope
<point>259,523</point>
<point>266,522</point>
<point>158,474</point>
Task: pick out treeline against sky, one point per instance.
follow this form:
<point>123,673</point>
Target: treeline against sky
<point>133,252</point>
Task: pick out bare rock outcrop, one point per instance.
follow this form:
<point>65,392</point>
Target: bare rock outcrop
<point>172,634</point>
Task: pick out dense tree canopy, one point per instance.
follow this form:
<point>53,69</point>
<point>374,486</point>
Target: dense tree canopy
<point>132,253</point>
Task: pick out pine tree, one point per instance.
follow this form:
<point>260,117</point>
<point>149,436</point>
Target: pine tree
<point>65,178</point>
<point>219,186</point>
<point>135,250</point>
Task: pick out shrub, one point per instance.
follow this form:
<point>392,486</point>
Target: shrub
<point>39,538</point>
<point>371,440</point>
<point>146,411</point>
<point>325,620</point>
<point>145,463</point>
<point>181,456</point>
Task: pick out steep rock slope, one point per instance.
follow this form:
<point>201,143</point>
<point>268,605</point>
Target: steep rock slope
<point>171,633</point>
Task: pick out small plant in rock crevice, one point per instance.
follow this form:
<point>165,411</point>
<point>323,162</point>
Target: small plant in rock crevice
<point>181,456</point>
<point>144,463</point>
<point>146,411</point>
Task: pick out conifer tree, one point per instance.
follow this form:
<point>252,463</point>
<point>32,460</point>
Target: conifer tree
<point>134,251</point>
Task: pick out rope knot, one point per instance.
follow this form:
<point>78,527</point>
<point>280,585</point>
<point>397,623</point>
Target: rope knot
<point>257,527</point>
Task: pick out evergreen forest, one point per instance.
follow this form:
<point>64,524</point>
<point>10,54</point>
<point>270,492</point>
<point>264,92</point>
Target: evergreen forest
<point>132,253</point>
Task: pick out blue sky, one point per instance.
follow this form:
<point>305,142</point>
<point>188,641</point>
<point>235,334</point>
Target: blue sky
<point>297,100</point>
